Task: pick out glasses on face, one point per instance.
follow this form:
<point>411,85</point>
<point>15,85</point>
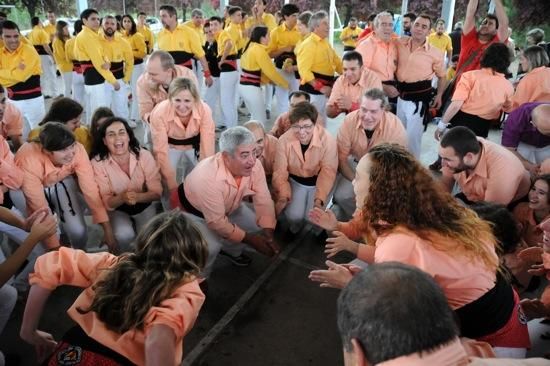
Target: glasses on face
<point>306,128</point>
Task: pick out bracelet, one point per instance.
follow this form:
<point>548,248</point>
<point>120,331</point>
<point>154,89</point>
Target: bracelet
<point>207,73</point>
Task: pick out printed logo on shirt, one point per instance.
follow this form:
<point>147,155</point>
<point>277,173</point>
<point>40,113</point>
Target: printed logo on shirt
<point>70,356</point>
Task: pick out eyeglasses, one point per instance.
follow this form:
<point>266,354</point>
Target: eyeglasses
<point>304,127</point>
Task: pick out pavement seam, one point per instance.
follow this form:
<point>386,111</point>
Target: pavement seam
<point>218,328</point>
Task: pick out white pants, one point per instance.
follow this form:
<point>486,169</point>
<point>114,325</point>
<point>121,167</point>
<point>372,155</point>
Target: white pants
<point>320,102</point>
<point>126,227</point>
<point>70,213</point>
<point>244,217</point>
<point>254,99</point>
<point>212,96</point>
<point>118,98</point>
<point>344,196</point>
<point>78,92</point>
<point>268,96</point>
<point>229,97</point>
<point>413,123</point>
<point>535,155</point>
<point>48,79</point>
<point>21,281</point>
<point>281,94</point>
<point>67,83</point>
<point>96,97</point>
<point>300,204</point>
<point>197,69</point>
<point>136,73</point>
<point>32,109</point>
<point>182,161</point>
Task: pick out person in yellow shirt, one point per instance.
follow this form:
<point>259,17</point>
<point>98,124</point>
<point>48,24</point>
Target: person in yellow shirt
<point>181,42</point>
<point>260,17</point>
<point>77,85</point>
<point>440,39</point>
<point>145,32</point>
<point>139,50</point>
<point>41,42</point>
<point>121,58</point>
<point>68,112</point>
<point>64,64</point>
<point>20,74</point>
<point>257,68</point>
<point>350,34</point>
<point>93,63</point>
<point>196,23</point>
<point>318,62</point>
<point>50,28</point>
<point>282,41</point>
<point>228,54</point>
<point>451,70</point>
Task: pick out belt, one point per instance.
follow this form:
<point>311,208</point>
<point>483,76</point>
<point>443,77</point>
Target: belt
<point>187,206</point>
<point>306,181</point>
<point>253,78</point>
<point>194,141</point>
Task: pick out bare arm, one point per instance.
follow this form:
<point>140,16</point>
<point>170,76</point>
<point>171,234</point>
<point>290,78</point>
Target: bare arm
<point>452,110</point>
<point>532,168</point>
<point>346,170</point>
<point>160,346</point>
<point>470,19</point>
<point>502,21</point>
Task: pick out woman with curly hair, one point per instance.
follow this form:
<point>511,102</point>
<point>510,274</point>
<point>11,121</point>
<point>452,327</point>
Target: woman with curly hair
<point>136,308</point>
<point>408,217</point>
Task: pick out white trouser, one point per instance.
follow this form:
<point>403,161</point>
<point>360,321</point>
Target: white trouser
<point>535,155</point>
<point>212,96</point>
<point>413,123</point>
<point>32,109</point>
<point>78,92</point>
<point>136,73</point>
<point>182,161</point>
<point>509,352</point>
<point>118,98</point>
<point>344,195</point>
<point>96,97</point>
<point>126,227</point>
<point>268,96</point>
<point>197,69</point>
<point>300,204</point>
<point>320,102</point>
<point>229,97</point>
<point>70,213</point>
<point>244,217</point>
<point>67,83</point>
<point>47,78</point>
<point>21,281</point>
<point>281,94</point>
<point>254,99</point>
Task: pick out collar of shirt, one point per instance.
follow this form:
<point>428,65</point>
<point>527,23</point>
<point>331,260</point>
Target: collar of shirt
<point>315,140</point>
<point>286,29</point>
<point>17,50</point>
<point>407,42</point>
<point>316,38</point>
<point>380,42</point>
<point>447,355</point>
<point>90,30</point>
<point>481,167</point>
<point>490,71</point>
<point>223,173</point>
<point>133,163</point>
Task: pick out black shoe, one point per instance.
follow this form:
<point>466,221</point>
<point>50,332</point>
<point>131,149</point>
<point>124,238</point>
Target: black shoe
<point>241,261</point>
<point>47,97</point>
<point>220,128</point>
<point>268,114</point>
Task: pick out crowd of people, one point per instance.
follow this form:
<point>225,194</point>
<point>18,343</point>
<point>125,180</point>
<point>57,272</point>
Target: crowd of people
<point>467,244</point>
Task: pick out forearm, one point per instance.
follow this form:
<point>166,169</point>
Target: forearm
<point>115,201</point>
<point>147,197</point>
<point>469,20</point>
<point>441,85</point>
<point>33,310</point>
<point>346,170</point>
<point>10,218</point>
<point>204,65</point>
<point>453,109</point>
<point>49,50</point>
<point>160,346</point>
<point>500,12</point>
<point>10,266</point>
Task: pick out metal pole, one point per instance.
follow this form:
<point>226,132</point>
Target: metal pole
<point>81,5</point>
<point>223,4</point>
<point>123,7</point>
<point>447,13</point>
<point>287,1</point>
<point>491,7</point>
<point>331,12</point>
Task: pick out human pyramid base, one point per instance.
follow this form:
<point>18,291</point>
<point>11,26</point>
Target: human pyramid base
<point>463,247</point>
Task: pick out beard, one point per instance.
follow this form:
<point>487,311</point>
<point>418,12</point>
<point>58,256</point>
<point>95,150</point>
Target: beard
<point>108,32</point>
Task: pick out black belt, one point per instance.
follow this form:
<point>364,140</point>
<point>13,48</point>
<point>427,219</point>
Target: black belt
<point>280,60</point>
<point>117,68</point>
<point>253,78</point>
<point>421,93</point>
<point>138,61</point>
<point>489,313</point>
<point>27,89</point>
<point>324,79</point>
<point>91,75</point>
<point>306,181</point>
<point>194,141</point>
<point>40,49</point>
<point>187,206</point>
<point>133,209</point>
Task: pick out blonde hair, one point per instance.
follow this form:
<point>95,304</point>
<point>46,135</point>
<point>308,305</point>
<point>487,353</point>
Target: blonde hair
<point>180,84</point>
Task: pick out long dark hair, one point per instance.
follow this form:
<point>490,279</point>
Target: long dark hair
<point>100,151</point>
<point>256,35</point>
<point>62,110</point>
<point>170,252</point>
<point>59,31</point>
<point>133,30</point>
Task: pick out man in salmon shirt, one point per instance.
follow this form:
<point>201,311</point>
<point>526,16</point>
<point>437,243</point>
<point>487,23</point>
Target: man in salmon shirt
<point>365,330</point>
<point>266,146</point>
<point>11,121</point>
<point>484,171</point>
<point>218,208</point>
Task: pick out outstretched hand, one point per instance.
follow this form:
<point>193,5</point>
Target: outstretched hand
<point>336,276</point>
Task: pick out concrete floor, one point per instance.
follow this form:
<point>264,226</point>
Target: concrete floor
<point>266,314</point>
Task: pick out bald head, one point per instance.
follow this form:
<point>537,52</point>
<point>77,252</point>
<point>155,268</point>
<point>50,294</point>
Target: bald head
<point>541,118</point>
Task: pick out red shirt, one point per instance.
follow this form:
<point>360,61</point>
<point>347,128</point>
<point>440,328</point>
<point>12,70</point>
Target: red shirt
<point>365,33</point>
<point>470,43</point>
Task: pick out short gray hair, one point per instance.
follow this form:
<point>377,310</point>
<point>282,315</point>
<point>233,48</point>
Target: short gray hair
<point>254,124</point>
<point>316,18</point>
<point>234,137</point>
<point>197,12</point>
<point>166,59</point>
<point>377,94</point>
<point>380,15</point>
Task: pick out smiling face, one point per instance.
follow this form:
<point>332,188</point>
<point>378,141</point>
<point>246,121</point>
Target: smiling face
<point>11,39</point>
<point>420,29</point>
<point>156,73</point>
<point>116,139</point>
<point>538,196</point>
<point>183,103</point>
<point>303,130</point>
<point>323,29</point>
<point>370,113</point>
<point>62,157</point>
<point>242,161</point>
<point>74,123</point>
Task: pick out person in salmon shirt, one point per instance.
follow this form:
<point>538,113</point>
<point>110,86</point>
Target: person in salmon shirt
<point>11,121</point>
<point>266,146</point>
<point>535,85</point>
<point>56,168</point>
<point>305,166</point>
<point>128,179</point>
<point>531,214</point>
<point>135,309</point>
<point>408,217</point>
<point>182,131</point>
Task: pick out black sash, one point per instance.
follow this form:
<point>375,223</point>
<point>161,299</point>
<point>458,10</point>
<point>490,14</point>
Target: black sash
<point>40,49</point>
<point>253,78</point>
<point>489,313</point>
<point>117,68</point>
<point>133,209</point>
<point>187,206</point>
<point>194,141</point>
<point>280,60</point>
<point>27,89</point>
<point>324,79</point>
<point>138,61</point>
<point>230,63</point>
<point>306,181</point>
<point>421,93</point>
<point>480,126</point>
<point>182,58</point>
<point>91,75</point>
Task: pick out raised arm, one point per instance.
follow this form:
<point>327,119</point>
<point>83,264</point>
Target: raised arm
<point>470,19</point>
<point>500,12</point>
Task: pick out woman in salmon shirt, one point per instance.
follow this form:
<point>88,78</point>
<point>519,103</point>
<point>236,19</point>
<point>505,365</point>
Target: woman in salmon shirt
<point>305,166</point>
<point>128,179</point>
<point>530,214</point>
<point>482,95</point>
<point>182,131</point>
<point>535,85</point>
<point>56,172</point>
<point>135,308</point>
<point>257,68</point>
<point>409,218</point>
